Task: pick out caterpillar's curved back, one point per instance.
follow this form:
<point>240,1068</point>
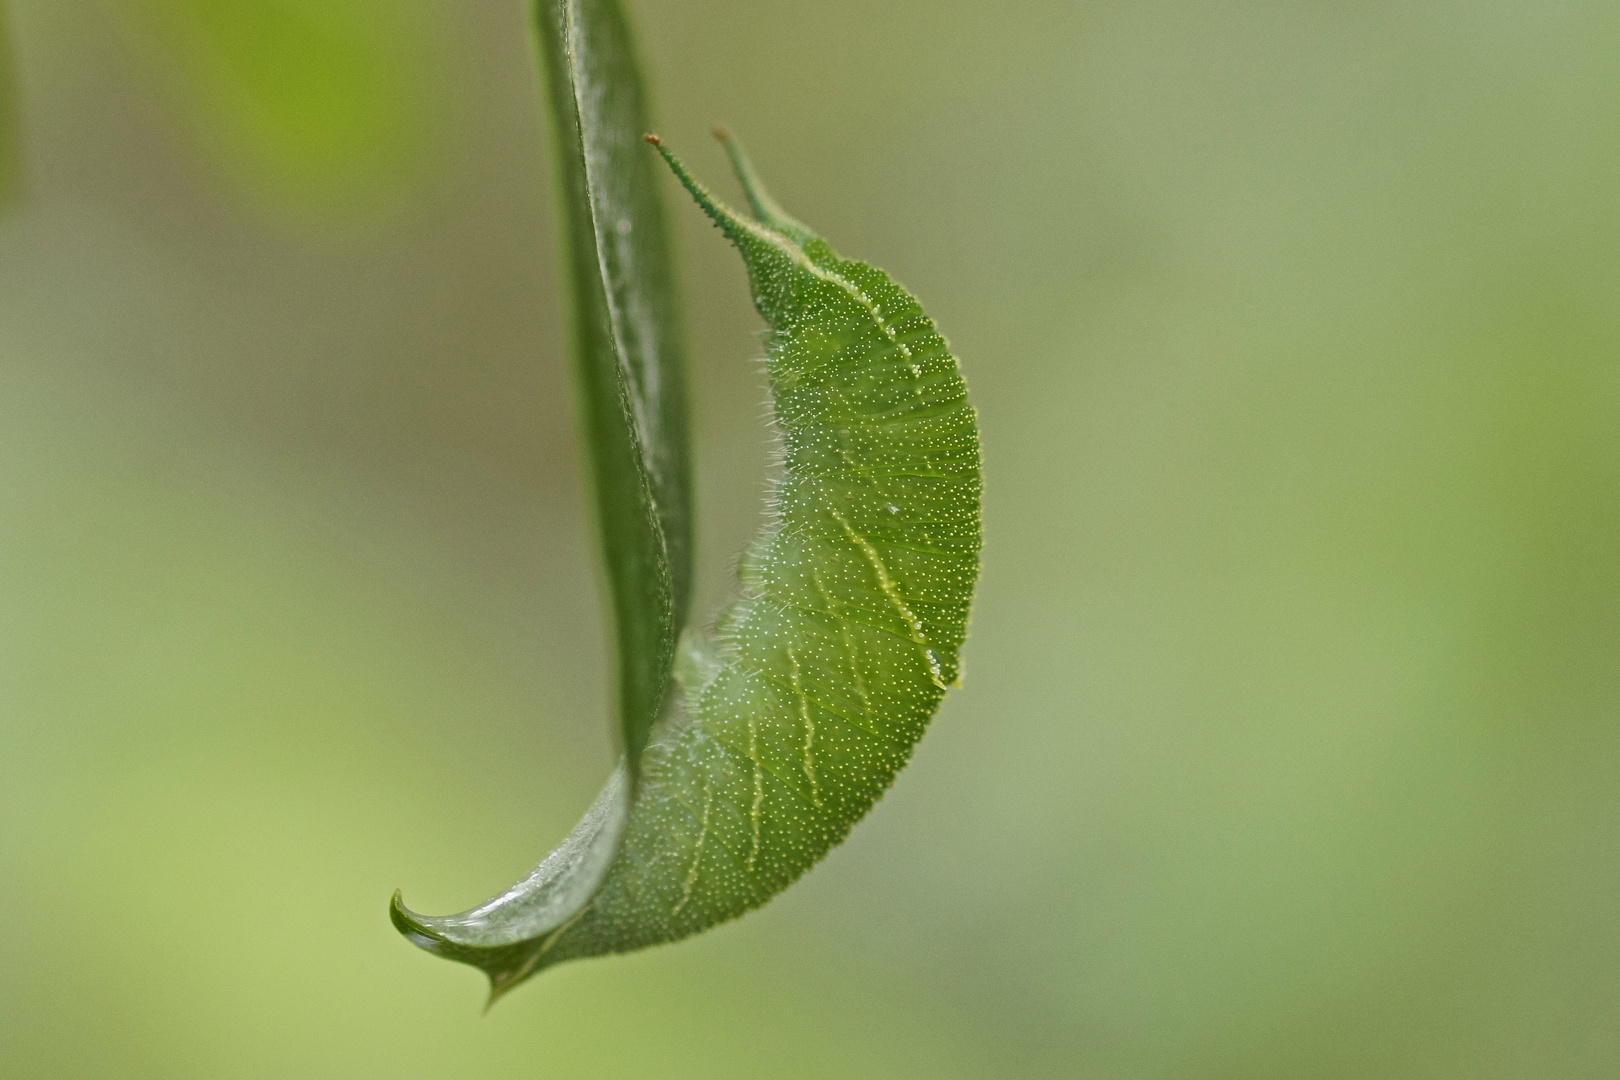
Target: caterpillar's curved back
<point>801,707</point>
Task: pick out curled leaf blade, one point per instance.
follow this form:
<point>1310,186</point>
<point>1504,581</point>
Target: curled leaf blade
<point>497,935</point>
<point>629,365</point>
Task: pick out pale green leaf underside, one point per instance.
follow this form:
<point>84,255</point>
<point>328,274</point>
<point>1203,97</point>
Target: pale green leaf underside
<point>797,712</point>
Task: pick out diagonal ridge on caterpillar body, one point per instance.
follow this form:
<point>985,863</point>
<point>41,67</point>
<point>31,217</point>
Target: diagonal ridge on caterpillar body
<point>798,711</point>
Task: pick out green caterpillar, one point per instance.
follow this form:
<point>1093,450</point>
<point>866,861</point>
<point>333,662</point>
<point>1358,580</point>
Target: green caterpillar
<point>792,718</point>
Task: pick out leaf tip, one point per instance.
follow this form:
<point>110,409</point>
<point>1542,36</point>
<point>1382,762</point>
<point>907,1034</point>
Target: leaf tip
<point>417,932</point>
<point>721,132</point>
<point>499,984</point>
<point>404,921</point>
<point>652,137</point>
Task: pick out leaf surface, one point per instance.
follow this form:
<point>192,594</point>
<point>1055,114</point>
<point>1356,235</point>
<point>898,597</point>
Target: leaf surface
<point>629,370</point>
<point>799,709</point>
<point>627,344</point>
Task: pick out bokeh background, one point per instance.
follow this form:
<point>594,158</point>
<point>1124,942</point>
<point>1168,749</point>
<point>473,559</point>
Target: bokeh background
<point>1289,742</point>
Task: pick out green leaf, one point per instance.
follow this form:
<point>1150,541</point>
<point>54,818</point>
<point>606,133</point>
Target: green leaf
<point>633,400</point>
<point>312,105</point>
<point>800,708</point>
<point>627,344</point>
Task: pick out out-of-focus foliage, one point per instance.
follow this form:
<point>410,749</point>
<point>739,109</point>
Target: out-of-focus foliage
<point>10,139</point>
<point>1288,745</point>
<point>317,103</point>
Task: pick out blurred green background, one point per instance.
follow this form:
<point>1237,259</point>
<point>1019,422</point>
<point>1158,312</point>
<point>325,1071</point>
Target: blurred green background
<point>1289,741</point>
